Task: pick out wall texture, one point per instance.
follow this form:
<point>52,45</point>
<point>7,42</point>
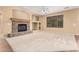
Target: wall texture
<point>5,24</point>
<point>12,12</point>
<point>71,20</point>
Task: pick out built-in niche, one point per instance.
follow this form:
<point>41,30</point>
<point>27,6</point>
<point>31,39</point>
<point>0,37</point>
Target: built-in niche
<point>36,24</point>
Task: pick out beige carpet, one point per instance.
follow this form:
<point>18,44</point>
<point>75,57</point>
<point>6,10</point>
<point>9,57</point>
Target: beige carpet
<point>44,41</point>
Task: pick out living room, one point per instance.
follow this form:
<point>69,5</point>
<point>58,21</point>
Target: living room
<point>18,24</point>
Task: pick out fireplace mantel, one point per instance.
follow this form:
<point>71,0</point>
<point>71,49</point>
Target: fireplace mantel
<point>19,20</point>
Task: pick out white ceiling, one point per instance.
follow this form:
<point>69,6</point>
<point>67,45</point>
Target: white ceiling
<point>49,9</point>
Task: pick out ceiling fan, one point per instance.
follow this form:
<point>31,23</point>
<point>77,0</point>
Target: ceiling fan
<point>44,10</point>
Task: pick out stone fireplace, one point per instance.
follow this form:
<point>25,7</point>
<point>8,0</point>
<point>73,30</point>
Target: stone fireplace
<point>20,26</point>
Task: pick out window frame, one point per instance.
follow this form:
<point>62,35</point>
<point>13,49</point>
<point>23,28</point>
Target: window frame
<point>57,26</point>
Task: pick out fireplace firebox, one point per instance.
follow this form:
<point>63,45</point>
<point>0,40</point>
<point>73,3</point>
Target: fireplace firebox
<point>22,27</point>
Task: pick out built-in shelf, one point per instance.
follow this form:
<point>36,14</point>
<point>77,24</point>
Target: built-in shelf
<point>36,23</point>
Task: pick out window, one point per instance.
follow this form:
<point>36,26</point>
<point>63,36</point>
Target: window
<point>55,21</point>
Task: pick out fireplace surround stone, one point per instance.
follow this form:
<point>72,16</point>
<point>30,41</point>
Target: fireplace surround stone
<point>15,23</point>
<point>15,26</point>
